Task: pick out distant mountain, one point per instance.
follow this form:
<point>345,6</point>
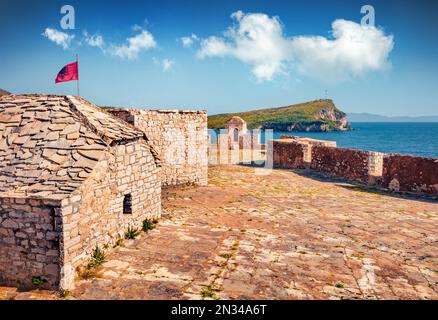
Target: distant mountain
<point>318,115</point>
<point>369,117</point>
<point>4,92</point>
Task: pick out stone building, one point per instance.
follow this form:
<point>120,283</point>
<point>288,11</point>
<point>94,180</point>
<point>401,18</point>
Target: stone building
<point>237,136</point>
<point>71,177</point>
<point>179,136</point>
<point>236,127</point>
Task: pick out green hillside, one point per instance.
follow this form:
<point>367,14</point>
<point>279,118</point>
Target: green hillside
<point>318,111</point>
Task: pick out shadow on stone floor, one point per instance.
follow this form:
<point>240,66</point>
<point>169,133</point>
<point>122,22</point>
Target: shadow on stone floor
<point>352,185</point>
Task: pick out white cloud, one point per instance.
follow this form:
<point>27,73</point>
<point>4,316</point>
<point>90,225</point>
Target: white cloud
<point>258,40</point>
<point>188,41</point>
<point>94,40</point>
<point>143,41</point>
<point>167,64</point>
<point>354,50</point>
<point>60,38</point>
<point>214,46</point>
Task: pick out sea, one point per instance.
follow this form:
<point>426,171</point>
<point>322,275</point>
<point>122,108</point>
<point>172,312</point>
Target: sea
<point>419,139</point>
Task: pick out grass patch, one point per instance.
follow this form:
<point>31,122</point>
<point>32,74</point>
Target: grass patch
<point>90,270</point>
<point>208,292</point>
<point>339,285</point>
<point>118,243</point>
<point>148,225</point>
<point>38,281</point>
<point>97,258</point>
<point>132,233</point>
<point>226,255</point>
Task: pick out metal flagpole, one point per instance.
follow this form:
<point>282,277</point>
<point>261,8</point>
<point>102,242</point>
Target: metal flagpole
<point>77,64</point>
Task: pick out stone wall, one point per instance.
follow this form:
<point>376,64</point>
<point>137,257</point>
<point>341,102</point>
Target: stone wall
<point>180,138</point>
<point>392,171</point>
<point>288,154</point>
<point>346,163</point>
<point>295,152</point>
<point>375,167</point>
<point>408,173</point>
<point>29,247</point>
<point>313,142</point>
<point>93,215</point>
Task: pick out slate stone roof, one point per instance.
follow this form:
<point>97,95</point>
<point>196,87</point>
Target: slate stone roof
<point>3,92</point>
<point>50,144</point>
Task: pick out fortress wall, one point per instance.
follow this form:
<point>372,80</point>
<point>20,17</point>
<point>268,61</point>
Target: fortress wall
<point>310,141</point>
<point>181,139</point>
<point>345,163</point>
<point>288,154</point>
<point>29,241</point>
<point>393,171</point>
<point>409,173</point>
<point>296,152</point>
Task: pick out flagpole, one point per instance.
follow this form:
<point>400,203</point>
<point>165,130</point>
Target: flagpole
<point>77,63</point>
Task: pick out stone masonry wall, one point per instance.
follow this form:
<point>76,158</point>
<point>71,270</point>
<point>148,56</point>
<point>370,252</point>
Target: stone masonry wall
<point>29,247</point>
<point>296,152</point>
<point>313,142</point>
<point>180,138</point>
<point>288,154</point>
<point>408,173</point>
<point>393,171</point>
<point>346,163</point>
<point>93,215</point>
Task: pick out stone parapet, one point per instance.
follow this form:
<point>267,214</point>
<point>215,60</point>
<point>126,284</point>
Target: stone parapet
<point>392,171</point>
<point>409,173</point>
<point>181,139</point>
<point>345,163</point>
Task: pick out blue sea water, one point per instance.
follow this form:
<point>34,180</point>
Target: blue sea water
<point>420,139</point>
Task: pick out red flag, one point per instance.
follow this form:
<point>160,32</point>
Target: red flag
<point>68,73</point>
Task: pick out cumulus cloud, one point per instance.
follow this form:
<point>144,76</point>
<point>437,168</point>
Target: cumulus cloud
<point>143,41</point>
<point>259,41</point>
<point>187,42</point>
<point>256,39</point>
<point>94,40</point>
<point>354,50</point>
<point>60,38</point>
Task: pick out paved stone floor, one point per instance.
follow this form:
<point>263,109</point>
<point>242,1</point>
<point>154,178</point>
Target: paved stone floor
<point>288,235</point>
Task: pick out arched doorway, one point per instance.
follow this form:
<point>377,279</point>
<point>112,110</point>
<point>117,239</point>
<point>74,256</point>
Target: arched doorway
<point>236,135</point>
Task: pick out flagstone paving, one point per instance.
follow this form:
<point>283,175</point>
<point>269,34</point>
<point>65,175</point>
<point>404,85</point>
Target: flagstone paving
<point>287,235</point>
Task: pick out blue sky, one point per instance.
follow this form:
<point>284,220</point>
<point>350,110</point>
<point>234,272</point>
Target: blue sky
<point>228,72</point>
